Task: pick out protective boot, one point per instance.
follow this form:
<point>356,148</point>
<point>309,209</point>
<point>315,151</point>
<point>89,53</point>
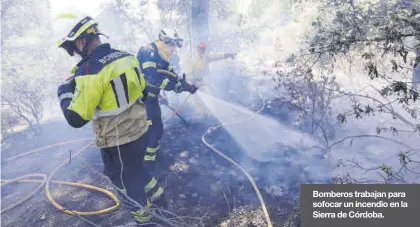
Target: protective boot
<point>143,216</point>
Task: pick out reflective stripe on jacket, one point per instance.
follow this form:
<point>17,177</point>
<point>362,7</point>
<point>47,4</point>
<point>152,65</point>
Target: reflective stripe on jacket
<point>109,88</point>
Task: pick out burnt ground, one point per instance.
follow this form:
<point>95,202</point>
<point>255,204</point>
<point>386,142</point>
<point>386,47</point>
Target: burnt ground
<point>198,182</point>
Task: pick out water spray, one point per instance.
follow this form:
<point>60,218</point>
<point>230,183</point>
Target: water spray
<point>218,152</point>
<point>47,180</point>
<point>254,185</point>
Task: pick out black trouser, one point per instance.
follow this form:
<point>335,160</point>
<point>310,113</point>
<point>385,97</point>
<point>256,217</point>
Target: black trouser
<point>154,133</point>
<point>139,184</point>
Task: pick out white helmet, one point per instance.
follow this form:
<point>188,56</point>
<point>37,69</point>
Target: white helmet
<point>170,37</point>
<point>70,26</point>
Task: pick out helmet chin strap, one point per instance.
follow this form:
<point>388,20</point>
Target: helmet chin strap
<point>84,52</point>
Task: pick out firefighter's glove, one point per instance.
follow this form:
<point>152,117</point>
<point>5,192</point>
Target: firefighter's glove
<point>66,89</point>
<point>193,89</point>
<point>230,55</point>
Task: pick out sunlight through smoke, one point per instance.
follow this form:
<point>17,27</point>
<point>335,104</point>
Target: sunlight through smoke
<point>153,13</point>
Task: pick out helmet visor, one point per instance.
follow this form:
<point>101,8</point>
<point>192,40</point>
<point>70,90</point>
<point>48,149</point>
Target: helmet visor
<point>69,46</point>
<point>173,42</point>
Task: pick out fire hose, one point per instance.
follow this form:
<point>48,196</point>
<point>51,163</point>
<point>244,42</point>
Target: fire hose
<point>254,185</point>
<point>212,129</point>
<point>47,180</point>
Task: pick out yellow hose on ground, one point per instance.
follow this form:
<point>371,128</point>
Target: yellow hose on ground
<point>211,129</point>
<point>48,179</point>
<point>254,185</point>
<point>21,179</point>
<point>82,213</point>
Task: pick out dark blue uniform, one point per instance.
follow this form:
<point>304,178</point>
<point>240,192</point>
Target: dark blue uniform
<point>159,74</point>
<point>119,106</point>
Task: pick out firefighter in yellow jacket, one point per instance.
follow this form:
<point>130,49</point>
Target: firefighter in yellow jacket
<point>196,70</point>
<point>199,62</point>
<point>107,87</point>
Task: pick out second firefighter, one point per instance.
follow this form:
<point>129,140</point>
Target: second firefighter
<point>159,74</point>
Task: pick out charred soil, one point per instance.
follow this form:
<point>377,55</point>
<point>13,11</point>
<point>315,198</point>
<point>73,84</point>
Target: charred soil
<point>198,183</point>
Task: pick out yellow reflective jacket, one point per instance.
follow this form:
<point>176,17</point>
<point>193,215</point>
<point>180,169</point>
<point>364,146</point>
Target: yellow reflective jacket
<point>109,91</point>
<point>197,65</point>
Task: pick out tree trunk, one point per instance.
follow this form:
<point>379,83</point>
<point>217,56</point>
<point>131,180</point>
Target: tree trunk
<point>200,20</point>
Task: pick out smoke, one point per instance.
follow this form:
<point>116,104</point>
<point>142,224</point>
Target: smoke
<point>263,36</point>
<point>153,13</point>
<point>262,139</point>
<point>287,154</point>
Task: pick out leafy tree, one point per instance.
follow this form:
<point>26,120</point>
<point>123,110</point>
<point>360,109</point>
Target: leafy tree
<point>25,61</point>
<point>381,38</point>
<point>365,32</point>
